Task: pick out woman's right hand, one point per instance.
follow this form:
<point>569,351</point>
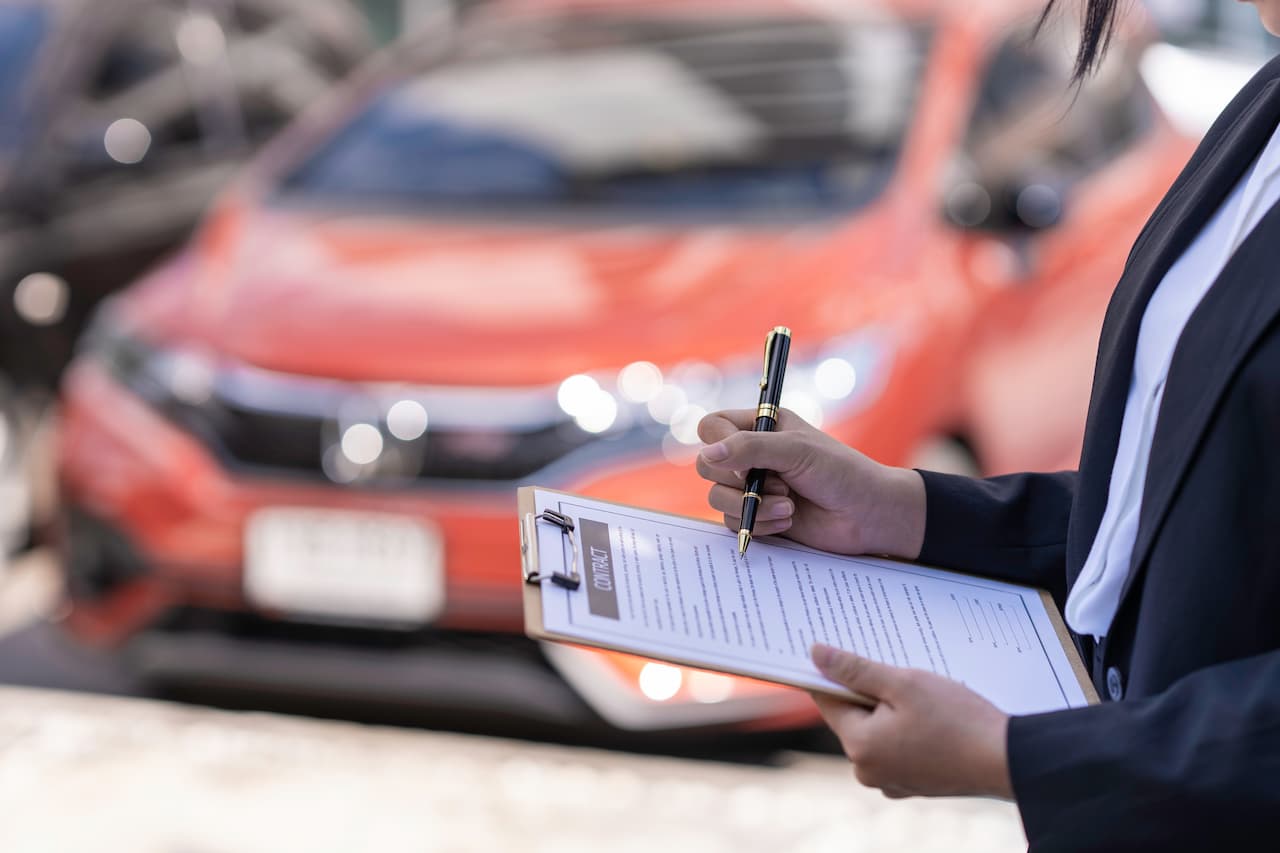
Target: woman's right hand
<point>819,492</point>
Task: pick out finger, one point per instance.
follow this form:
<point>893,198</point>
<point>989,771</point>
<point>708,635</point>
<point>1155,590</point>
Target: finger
<point>848,721</point>
<point>761,528</point>
<point>773,484</point>
<point>728,500</point>
<point>718,426</point>
<point>718,475</point>
<point>871,679</point>
<point>839,711</point>
<point>742,451</point>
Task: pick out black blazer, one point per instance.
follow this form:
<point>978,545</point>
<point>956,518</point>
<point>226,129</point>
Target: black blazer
<point>1190,759</point>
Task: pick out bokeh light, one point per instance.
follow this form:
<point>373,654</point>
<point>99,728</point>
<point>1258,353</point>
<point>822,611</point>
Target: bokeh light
<point>599,414</point>
<point>407,420</point>
<point>835,378</point>
<point>362,443</point>
<point>660,682</point>
<point>684,424</point>
<point>577,393</point>
<point>191,377</point>
<point>666,403</point>
<point>337,467</point>
<point>709,687</point>
<point>592,408</point>
<point>200,39</point>
<point>640,381</point>
<point>127,141</point>
<point>699,380</point>
<point>41,298</point>
<point>803,404</point>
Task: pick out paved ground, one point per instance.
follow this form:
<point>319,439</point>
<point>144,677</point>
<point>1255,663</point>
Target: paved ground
<point>89,773</point>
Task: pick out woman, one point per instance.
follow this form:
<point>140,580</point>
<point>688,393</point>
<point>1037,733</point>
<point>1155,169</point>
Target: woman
<point>1163,549</point>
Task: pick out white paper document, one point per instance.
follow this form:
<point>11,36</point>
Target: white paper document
<point>676,588</point>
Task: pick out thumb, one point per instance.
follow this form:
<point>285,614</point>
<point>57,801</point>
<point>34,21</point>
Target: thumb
<point>718,426</point>
<point>859,674</point>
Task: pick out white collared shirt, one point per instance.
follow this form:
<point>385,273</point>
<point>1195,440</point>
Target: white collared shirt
<point>1095,597</point>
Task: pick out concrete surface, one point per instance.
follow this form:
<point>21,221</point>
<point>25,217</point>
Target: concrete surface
<point>90,773</point>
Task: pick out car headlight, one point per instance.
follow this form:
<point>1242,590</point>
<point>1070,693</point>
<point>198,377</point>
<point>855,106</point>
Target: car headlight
<point>834,381</point>
<point>178,381</point>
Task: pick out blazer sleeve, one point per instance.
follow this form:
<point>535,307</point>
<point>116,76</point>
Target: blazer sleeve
<point>1012,527</point>
<point>1196,767</point>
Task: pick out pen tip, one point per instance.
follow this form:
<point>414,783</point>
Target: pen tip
<point>744,539</point>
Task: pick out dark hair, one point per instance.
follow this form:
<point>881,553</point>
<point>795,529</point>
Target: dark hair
<point>1098,27</point>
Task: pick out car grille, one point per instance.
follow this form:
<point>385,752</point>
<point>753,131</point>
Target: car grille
<point>297,443</point>
<point>258,420</point>
<point>271,440</point>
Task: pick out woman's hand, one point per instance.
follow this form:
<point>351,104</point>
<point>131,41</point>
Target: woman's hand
<point>928,736</point>
<point>820,492</point>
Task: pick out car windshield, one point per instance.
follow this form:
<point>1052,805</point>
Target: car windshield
<point>21,30</point>
<point>766,117</point>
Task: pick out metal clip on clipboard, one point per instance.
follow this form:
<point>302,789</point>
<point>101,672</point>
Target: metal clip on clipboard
<point>529,548</point>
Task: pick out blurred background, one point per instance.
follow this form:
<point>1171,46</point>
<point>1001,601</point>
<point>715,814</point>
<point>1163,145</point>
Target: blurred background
<point>295,293</point>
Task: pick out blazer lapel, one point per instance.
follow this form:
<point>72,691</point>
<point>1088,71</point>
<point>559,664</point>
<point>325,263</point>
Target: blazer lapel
<point>1242,304</point>
<point>1174,225</point>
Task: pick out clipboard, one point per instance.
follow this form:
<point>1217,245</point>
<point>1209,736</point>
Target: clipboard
<point>537,580</point>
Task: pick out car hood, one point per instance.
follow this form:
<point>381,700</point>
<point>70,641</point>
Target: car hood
<point>430,302</point>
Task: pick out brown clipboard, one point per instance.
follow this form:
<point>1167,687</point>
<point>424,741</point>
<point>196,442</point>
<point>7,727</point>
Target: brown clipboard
<point>534,581</point>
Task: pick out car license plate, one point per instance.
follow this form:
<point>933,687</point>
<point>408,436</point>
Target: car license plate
<point>350,566</point>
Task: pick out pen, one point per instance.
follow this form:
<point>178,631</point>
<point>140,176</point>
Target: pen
<point>776,347</point>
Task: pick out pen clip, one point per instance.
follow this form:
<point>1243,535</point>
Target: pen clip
<point>769,341</point>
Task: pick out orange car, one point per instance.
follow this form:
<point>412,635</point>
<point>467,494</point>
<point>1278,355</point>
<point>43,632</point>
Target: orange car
<point>539,253</point>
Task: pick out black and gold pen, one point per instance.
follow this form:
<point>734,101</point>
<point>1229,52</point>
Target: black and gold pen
<point>776,347</point>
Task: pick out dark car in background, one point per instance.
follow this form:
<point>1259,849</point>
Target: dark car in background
<point>123,118</point>
<point>119,122</point>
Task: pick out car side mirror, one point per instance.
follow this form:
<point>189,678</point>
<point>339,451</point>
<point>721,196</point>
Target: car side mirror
<point>1010,207</point>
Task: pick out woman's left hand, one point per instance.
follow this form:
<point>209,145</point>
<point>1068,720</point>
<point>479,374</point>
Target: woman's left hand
<point>928,736</point>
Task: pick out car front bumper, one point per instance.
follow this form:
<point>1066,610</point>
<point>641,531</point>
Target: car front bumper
<point>150,504</point>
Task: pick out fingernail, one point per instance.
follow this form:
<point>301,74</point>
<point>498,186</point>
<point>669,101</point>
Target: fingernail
<point>715,452</point>
<point>786,509</point>
<point>822,655</point>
